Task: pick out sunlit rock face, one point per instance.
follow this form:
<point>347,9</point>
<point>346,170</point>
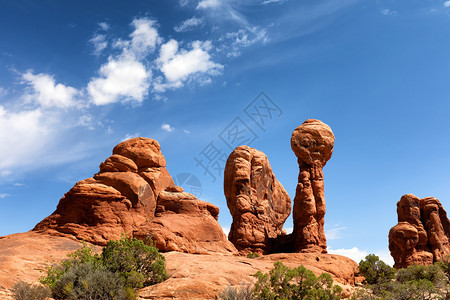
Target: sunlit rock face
<point>258,203</point>
<point>134,194</point>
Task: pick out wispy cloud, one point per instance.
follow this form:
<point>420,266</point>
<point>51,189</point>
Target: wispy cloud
<point>99,42</point>
<point>129,136</point>
<point>167,127</point>
<point>388,12</point>
<point>5,173</point>
<point>189,24</point>
<point>208,4</point>
<point>103,26</point>
<point>242,38</point>
<point>3,195</point>
<point>334,233</point>
<point>273,1</point>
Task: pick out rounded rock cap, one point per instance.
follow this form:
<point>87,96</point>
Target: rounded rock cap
<point>312,142</point>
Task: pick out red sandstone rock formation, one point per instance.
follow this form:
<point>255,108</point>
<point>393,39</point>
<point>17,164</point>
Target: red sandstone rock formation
<point>312,143</point>
<point>134,192</point>
<point>258,203</point>
<point>422,235</point>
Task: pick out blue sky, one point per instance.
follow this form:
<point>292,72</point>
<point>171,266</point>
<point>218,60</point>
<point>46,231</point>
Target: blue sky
<point>78,77</point>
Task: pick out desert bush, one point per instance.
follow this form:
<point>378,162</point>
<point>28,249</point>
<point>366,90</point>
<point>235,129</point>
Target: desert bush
<point>244,292</point>
<point>140,264</point>
<point>432,273</point>
<point>252,255</point>
<point>86,281</point>
<point>375,271</point>
<point>25,291</point>
<point>121,268</point>
<point>299,283</point>
<point>414,282</point>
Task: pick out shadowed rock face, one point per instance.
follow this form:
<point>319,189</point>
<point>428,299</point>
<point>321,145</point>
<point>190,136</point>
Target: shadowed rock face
<point>312,143</point>
<point>134,194</point>
<point>422,234</point>
<point>258,203</point>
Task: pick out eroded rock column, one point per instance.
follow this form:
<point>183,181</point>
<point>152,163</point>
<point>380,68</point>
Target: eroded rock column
<point>312,143</point>
<point>258,203</point>
<point>422,235</point>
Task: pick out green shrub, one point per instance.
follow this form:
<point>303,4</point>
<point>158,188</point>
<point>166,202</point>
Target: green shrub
<point>252,255</point>
<point>122,267</point>
<point>375,271</point>
<point>86,281</point>
<point>432,273</point>
<point>414,282</point>
<point>25,291</point>
<point>140,264</point>
<point>300,283</point>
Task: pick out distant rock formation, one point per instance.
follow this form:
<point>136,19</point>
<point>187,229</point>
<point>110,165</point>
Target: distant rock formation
<point>134,194</point>
<point>258,203</point>
<point>422,235</point>
<point>312,143</point>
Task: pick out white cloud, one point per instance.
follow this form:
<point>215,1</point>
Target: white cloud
<point>144,38</point>
<point>273,1</point>
<point>125,77</point>
<point>184,2</point>
<point>23,134</point>
<point>167,127</point>
<point>188,24</point>
<point>334,233</point>
<point>447,3</point>
<point>5,173</point>
<point>3,195</point>
<point>388,12</point>
<point>242,38</point>
<point>353,253</point>
<point>99,42</point>
<point>104,26</point>
<point>121,79</point>
<point>357,255</point>
<point>208,4</point>
<point>186,131</point>
<point>129,136</point>
<point>182,65</point>
<point>46,93</point>
<point>3,92</point>
<point>86,121</point>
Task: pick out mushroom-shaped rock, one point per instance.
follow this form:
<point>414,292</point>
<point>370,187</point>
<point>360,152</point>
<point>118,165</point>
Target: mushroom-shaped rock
<point>422,234</point>
<point>258,203</point>
<point>312,143</point>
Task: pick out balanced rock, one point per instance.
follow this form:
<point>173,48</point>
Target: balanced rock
<point>422,235</point>
<point>312,143</point>
<point>258,203</point>
<point>134,194</point>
